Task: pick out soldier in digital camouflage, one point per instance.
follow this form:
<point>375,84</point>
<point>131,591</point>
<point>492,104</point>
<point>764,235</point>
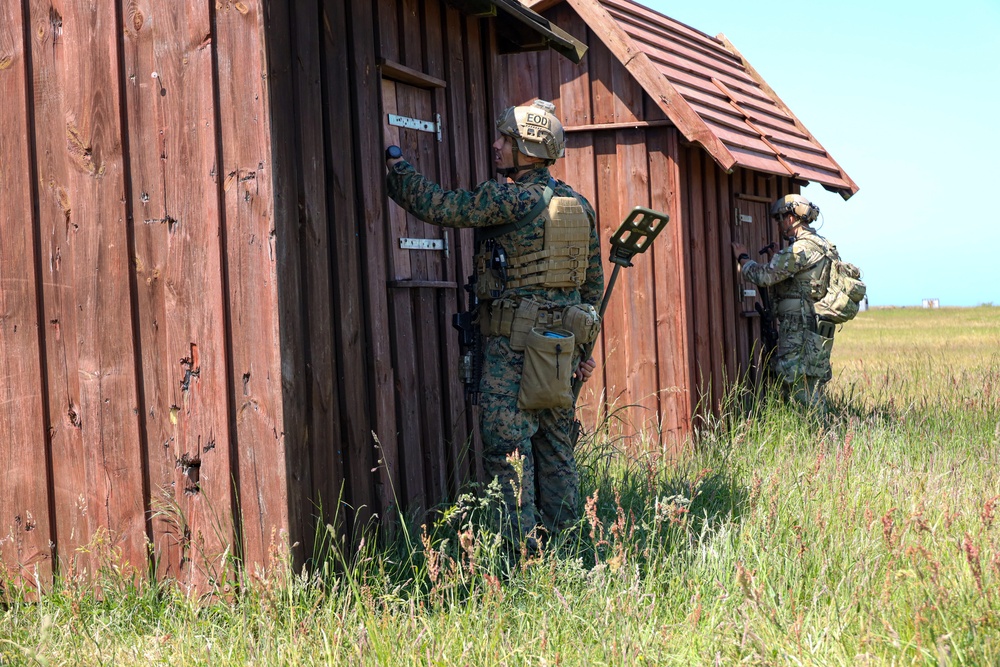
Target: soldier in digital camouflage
<point>530,451</point>
<point>799,276</point>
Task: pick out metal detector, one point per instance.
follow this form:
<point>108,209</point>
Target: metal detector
<point>633,237</point>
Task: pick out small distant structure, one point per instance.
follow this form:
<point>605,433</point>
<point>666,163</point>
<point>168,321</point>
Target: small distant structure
<point>932,303</point>
<point>863,306</point>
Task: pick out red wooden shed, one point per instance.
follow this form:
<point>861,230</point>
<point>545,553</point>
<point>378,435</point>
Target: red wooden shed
<point>659,114</point>
<point>214,333</point>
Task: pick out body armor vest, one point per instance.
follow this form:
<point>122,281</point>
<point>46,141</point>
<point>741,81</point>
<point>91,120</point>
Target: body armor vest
<point>563,261</point>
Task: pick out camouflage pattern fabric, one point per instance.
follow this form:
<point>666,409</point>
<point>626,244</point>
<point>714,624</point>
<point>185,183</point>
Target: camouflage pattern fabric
<point>545,489</point>
<point>797,274</point>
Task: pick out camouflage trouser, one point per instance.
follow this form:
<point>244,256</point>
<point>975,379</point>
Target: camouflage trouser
<point>549,482</point>
<point>802,361</point>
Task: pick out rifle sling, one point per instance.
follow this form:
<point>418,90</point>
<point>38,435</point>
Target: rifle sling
<point>493,232</point>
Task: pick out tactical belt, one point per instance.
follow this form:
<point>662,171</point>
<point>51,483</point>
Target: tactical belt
<point>789,306</point>
<point>498,318</point>
<point>803,307</point>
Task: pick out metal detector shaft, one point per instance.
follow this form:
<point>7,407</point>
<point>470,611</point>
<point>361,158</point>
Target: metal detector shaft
<point>633,237</point>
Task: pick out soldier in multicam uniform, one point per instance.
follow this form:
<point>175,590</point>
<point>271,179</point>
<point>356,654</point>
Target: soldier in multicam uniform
<point>799,275</point>
<point>531,139</point>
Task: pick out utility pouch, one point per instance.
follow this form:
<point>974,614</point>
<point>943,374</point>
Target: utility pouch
<point>489,282</point>
<point>547,378</point>
<point>524,320</point>
<point>583,322</point>
<point>826,329</point>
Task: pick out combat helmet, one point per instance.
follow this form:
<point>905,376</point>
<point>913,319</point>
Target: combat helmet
<point>797,205</point>
<point>536,130</point>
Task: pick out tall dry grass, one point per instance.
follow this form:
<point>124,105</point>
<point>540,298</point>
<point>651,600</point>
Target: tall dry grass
<point>868,538</point>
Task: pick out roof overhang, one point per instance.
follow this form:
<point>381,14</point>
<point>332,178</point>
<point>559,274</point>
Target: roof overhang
<point>710,92</point>
<point>521,29</point>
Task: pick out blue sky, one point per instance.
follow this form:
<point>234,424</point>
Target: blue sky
<point>907,101</point>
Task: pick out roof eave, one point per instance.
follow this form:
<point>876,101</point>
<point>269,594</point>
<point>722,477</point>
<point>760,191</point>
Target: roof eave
<point>846,193</point>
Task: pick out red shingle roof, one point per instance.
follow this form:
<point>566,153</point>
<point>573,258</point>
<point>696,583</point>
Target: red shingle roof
<point>710,92</point>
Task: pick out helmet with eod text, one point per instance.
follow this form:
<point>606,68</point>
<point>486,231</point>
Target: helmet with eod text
<point>536,130</point>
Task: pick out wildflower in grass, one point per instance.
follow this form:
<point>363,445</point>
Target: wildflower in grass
<point>972,556</point>
<point>988,513</point>
<point>888,525</point>
<point>596,527</point>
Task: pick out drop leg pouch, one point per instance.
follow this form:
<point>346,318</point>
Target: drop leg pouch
<point>547,378</point>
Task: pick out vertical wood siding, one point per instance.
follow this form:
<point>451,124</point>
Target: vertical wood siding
<point>204,338</point>
<point>26,527</point>
<point>179,284</point>
<point>88,306</point>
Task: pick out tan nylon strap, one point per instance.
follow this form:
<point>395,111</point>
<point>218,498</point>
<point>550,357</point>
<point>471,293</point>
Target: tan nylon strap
<point>546,267</point>
<point>550,279</point>
<point>544,254</point>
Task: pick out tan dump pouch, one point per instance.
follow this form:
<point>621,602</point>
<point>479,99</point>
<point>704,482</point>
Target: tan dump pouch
<point>563,261</point>
<point>583,322</point>
<point>547,378</point>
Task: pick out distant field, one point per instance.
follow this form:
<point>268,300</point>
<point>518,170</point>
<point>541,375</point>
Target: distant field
<point>946,356</point>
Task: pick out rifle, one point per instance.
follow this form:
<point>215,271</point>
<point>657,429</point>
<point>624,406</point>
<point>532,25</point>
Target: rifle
<point>470,343</point>
<point>764,307</point>
<point>634,236</point>
<point>470,338</point>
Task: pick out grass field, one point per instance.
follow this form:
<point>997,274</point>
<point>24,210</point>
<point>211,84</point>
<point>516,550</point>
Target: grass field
<point>871,538</point>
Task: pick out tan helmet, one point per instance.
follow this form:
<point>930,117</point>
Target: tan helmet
<point>536,129</point>
<point>799,206</point>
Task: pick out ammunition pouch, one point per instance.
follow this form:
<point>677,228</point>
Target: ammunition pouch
<point>547,378</point>
<point>825,329</point>
<point>583,322</point>
<point>516,317</point>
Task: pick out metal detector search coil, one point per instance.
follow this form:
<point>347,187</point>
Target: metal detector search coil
<point>635,234</point>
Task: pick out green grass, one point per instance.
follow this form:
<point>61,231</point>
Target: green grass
<point>868,539</point>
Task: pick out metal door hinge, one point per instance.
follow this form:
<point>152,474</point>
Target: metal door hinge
<point>407,243</point>
<point>432,126</point>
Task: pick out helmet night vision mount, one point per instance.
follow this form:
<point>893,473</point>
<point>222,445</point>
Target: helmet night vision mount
<point>797,205</point>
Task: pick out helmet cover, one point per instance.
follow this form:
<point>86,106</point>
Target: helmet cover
<point>797,205</point>
<point>535,128</point>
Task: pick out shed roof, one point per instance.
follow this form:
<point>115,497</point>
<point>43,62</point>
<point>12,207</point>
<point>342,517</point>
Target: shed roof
<point>710,92</point>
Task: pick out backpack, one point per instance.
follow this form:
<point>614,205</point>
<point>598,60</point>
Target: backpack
<point>844,291</point>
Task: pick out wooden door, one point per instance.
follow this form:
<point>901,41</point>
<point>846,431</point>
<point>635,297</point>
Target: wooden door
<point>422,296</point>
<point>752,227</point>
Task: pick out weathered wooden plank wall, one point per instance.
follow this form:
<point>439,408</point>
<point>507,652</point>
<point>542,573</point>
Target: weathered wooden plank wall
<point>179,282</point>
<point>25,465</point>
<point>210,337</point>
<point>726,326</point>
<point>93,397</point>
